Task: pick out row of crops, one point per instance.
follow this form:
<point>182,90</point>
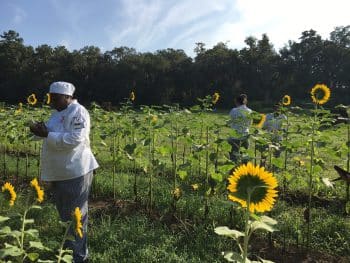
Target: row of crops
<point>176,160</point>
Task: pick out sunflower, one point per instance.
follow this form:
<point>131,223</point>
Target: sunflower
<point>154,119</point>
<point>9,187</point>
<point>216,98</point>
<point>19,110</point>
<point>194,187</point>
<point>262,121</point>
<point>259,182</point>
<point>48,98</point>
<point>286,100</point>
<point>32,99</point>
<point>39,191</point>
<point>320,94</point>
<point>78,225</point>
<point>177,193</point>
<point>132,96</point>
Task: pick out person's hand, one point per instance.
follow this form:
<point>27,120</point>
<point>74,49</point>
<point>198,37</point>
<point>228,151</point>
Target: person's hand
<point>38,129</point>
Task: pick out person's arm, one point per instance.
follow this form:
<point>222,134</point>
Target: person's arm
<point>78,132</point>
<point>38,129</point>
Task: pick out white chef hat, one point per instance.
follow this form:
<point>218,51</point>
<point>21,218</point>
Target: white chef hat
<point>62,87</point>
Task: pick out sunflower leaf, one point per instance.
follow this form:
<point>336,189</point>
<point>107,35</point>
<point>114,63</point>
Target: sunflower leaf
<point>33,256</point>
<point>182,174</point>
<point>260,225</point>
<point>225,231</point>
<point>265,223</point>
<point>3,218</point>
<point>268,220</point>
<point>265,261</point>
<point>232,257</point>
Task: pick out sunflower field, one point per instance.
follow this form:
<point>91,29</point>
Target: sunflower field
<point>167,190</point>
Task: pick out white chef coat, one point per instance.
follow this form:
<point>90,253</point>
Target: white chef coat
<point>66,152</point>
<point>273,124</point>
<point>240,120</point>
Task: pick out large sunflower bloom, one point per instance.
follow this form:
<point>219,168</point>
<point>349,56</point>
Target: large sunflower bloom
<point>248,177</point>
<point>132,96</point>
<point>32,99</point>
<point>262,121</point>
<point>320,94</point>
<point>286,100</point>
<point>78,225</point>
<point>216,97</point>
<point>9,187</point>
<point>39,191</point>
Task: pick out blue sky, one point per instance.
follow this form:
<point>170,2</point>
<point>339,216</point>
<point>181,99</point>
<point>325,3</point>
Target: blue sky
<point>149,25</point>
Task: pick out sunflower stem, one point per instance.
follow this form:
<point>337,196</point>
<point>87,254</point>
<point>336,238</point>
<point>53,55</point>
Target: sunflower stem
<point>23,227</point>
<point>206,207</point>
<point>114,168</point>
<point>308,213</point>
<point>61,250</point>
<point>246,229</point>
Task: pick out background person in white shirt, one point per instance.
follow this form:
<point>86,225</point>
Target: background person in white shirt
<point>240,123</point>
<point>67,160</point>
<point>274,124</point>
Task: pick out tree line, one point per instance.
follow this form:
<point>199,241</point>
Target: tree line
<point>170,76</point>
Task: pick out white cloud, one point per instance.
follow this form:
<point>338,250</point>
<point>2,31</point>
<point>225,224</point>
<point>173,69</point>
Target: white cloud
<point>283,20</point>
<point>19,15</point>
<point>156,24</point>
<point>145,24</point>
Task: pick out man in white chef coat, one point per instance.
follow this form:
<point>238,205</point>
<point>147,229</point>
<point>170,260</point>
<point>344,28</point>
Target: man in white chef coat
<point>240,123</point>
<point>67,160</point>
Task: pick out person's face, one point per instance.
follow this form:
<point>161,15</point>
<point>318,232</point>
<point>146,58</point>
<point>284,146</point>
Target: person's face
<point>59,101</point>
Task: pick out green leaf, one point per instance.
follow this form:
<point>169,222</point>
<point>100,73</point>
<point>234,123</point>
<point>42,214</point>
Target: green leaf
<point>146,142</point>
<point>225,231</point>
<point>45,261</point>
<point>265,261</point>
<point>265,223</point>
<point>29,221</point>
<point>67,258</point>
<point>268,220</point>
<point>232,257</point>
<point>213,156</point>
<point>182,174</point>
<point>278,162</point>
<point>217,177</point>
<point>317,169</point>
<point>6,230</point>
<point>3,218</point>
<point>10,250</point>
<point>347,207</point>
<point>35,207</point>
<point>164,150</point>
<point>130,148</point>
<point>38,245</point>
<point>32,232</point>
<point>261,225</point>
<point>224,169</point>
<point>33,256</point>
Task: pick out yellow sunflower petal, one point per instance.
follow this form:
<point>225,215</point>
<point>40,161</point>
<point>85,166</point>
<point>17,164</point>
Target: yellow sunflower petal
<point>316,90</point>
<point>247,177</point>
